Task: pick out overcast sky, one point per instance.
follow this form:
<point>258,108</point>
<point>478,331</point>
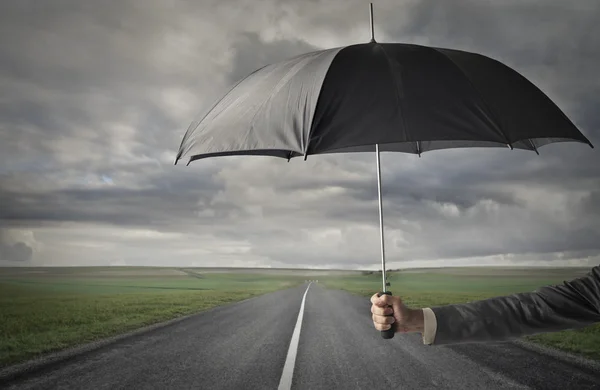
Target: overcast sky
<point>96,96</point>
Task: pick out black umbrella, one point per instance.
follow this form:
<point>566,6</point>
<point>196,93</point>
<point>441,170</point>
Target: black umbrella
<point>378,97</point>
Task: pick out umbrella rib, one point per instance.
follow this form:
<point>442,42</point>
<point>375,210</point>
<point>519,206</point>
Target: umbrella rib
<point>195,124</point>
<point>186,136</point>
<point>398,92</point>
<point>485,103</point>
<point>535,149</point>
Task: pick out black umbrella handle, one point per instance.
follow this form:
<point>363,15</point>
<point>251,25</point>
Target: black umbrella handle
<point>388,334</point>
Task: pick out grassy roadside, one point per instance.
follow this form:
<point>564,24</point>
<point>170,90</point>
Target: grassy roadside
<point>48,310</point>
<point>43,314</point>
<point>448,286</point>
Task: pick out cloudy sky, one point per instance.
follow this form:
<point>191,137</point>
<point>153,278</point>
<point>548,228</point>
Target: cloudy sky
<point>96,96</point>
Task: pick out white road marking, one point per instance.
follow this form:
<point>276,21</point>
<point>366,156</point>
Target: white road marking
<point>285,383</point>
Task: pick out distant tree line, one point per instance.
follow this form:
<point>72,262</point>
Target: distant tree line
<point>389,271</point>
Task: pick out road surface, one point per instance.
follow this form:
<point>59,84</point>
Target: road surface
<point>245,346</point>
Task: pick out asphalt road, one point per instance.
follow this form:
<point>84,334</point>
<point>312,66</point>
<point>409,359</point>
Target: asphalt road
<point>245,346</point>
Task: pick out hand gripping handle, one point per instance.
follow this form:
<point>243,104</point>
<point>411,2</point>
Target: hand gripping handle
<point>388,334</point>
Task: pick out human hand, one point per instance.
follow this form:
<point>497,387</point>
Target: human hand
<point>403,319</point>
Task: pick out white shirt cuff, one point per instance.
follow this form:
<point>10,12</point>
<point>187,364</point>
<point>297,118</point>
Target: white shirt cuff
<point>429,325</point>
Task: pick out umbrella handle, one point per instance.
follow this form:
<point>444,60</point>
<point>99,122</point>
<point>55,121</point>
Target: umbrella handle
<point>388,334</point>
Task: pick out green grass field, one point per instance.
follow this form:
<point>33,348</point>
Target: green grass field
<point>48,309</point>
<point>45,310</point>
<point>434,287</point>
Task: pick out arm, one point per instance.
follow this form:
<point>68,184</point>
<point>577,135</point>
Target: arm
<point>574,304</point>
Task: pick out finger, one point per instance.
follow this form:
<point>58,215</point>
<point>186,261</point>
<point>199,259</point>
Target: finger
<point>376,300</point>
<point>382,327</point>
<point>382,311</point>
<point>383,319</point>
<point>381,301</point>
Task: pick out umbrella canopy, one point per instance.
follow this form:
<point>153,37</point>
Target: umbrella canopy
<point>406,98</point>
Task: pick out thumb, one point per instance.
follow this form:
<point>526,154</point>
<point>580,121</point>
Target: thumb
<point>386,300</point>
<point>392,300</point>
<point>379,300</point>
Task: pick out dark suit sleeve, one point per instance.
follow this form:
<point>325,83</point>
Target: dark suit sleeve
<point>574,304</point>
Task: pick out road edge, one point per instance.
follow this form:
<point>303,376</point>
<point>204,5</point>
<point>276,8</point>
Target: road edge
<point>46,362</point>
<point>559,354</point>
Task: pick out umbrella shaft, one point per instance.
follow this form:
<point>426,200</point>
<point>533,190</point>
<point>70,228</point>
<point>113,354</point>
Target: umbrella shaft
<point>381,218</point>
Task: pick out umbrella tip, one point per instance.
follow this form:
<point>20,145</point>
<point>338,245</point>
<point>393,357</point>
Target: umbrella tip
<point>178,157</point>
<point>371,23</point>
<point>591,146</point>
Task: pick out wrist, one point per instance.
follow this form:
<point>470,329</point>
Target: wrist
<point>416,321</point>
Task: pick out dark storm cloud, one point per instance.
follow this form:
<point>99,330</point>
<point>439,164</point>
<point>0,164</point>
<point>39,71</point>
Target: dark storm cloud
<point>96,97</point>
<point>12,250</point>
<point>251,53</point>
<point>19,252</point>
<point>160,203</point>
